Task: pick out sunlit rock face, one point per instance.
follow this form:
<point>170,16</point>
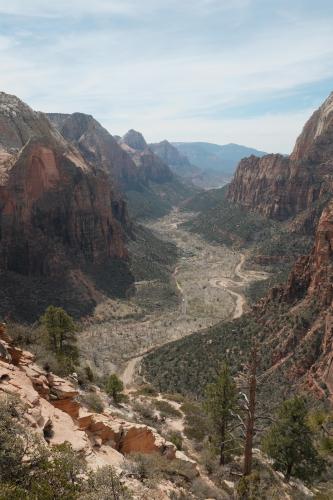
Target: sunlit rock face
<point>281,187</point>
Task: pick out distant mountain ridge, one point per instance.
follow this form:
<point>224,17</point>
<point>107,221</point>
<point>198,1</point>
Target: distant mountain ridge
<point>219,158</point>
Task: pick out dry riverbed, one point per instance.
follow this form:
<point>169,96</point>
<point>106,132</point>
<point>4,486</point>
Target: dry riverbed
<point>209,280</point>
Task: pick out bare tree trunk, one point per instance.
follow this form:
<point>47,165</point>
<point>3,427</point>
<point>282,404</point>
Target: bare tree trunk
<point>222,447</point>
<point>288,472</point>
<point>249,432</point>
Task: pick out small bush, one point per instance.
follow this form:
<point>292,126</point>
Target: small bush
<point>93,401</point>
<point>166,409</point>
<point>114,387</point>
<point>105,484</point>
<point>201,490</point>
<point>176,438</point>
<point>147,390</point>
<point>144,410</point>
<point>177,398</point>
<point>157,467</point>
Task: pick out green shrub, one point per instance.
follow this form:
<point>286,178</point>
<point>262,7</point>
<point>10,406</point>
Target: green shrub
<point>147,390</point>
<point>114,387</point>
<point>166,409</point>
<point>176,438</point>
<point>93,401</point>
<point>104,484</point>
<point>156,467</point>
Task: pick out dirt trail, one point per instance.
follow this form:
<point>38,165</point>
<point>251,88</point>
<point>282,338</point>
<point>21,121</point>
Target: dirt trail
<point>204,268</point>
<point>245,277</point>
<point>129,372</point>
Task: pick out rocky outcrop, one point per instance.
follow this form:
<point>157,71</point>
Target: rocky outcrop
<point>150,166</point>
<point>135,140</point>
<point>125,437</point>
<point>300,338</point>
<point>281,187</point>
<point>98,147</point>
<point>50,402</point>
<point>57,219</point>
<point>312,275</point>
<point>315,143</point>
<point>178,162</point>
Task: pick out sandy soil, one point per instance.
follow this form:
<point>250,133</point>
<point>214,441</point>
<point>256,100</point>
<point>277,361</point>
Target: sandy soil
<point>209,280</point>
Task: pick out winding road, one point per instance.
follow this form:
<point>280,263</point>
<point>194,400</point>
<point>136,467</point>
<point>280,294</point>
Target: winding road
<point>241,279</point>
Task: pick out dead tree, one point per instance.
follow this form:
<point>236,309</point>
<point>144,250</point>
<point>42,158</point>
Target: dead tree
<point>251,411</point>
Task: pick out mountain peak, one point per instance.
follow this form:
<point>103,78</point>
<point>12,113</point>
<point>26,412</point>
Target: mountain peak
<point>135,140</point>
<point>320,125</point>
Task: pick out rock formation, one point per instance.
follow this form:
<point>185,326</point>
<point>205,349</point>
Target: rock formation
<point>135,140</point>
<point>150,166</point>
<point>178,162</point>
<point>98,147</point>
<point>53,411</point>
<point>281,187</point>
<point>58,220</point>
<point>300,338</point>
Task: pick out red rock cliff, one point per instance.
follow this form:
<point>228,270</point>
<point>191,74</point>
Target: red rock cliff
<point>281,187</point>
<point>57,220</point>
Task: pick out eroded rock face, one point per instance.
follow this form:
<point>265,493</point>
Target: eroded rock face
<point>305,346</point>
<point>150,166</point>
<point>312,275</point>
<point>51,404</point>
<point>58,218</point>
<point>316,140</point>
<point>135,140</point>
<point>170,155</point>
<point>281,187</point>
<point>99,147</point>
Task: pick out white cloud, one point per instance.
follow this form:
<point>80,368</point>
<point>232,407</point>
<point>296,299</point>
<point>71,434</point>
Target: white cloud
<point>79,8</point>
<point>168,83</point>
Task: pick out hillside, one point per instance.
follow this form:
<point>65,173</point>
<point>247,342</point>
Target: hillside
<point>62,228</point>
<point>222,159</point>
<point>293,325</point>
<point>280,187</point>
<point>289,231</point>
<point>66,236</point>
<point>139,176</point>
<point>161,188</point>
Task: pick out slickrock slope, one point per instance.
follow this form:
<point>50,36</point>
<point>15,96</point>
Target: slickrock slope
<point>281,187</point>
<point>61,241</point>
<point>52,410</point>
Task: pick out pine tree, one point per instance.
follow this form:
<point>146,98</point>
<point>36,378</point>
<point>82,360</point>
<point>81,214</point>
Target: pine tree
<point>220,403</point>
<point>60,329</point>
<point>114,388</point>
<point>289,442</point>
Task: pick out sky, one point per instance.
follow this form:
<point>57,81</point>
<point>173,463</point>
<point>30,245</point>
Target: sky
<point>244,71</point>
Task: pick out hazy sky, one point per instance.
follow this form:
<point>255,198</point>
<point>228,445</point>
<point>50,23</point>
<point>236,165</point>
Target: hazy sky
<point>244,71</point>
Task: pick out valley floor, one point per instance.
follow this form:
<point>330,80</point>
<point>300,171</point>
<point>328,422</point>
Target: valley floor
<point>209,280</point>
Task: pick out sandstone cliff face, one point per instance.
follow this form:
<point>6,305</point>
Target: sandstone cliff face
<point>57,215</point>
<point>313,274</point>
<point>53,412</point>
<point>300,338</point>
<point>316,140</point>
<point>150,167</point>
<point>171,156</point>
<point>98,147</point>
<point>281,187</point>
